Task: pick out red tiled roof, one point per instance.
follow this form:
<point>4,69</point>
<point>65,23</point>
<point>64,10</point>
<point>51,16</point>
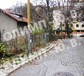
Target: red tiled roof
<point>11,14</point>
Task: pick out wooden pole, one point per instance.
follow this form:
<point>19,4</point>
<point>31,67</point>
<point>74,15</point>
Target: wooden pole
<point>28,12</point>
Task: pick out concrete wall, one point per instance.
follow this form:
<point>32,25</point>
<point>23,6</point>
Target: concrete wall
<point>7,23</point>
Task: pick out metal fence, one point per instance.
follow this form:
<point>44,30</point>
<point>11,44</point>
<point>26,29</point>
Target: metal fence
<point>20,44</point>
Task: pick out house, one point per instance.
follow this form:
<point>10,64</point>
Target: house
<point>78,28</point>
<point>10,21</point>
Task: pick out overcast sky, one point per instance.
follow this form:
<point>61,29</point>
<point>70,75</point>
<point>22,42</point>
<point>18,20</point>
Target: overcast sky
<point>4,4</point>
<point>9,3</point>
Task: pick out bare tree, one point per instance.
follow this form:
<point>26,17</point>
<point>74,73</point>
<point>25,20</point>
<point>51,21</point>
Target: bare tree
<point>20,8</point>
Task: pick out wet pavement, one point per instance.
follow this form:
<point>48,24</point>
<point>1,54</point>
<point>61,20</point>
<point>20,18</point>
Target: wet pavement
<point>67,61</point>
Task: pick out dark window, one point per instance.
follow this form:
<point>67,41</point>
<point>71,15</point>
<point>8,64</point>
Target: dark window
<point>63,25</point>
<point>82,25</point>
<point>78,30</point>
<point>82,30</point>
<point>77,25</point>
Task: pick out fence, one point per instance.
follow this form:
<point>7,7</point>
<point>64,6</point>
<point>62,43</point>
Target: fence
<point>20,44</point>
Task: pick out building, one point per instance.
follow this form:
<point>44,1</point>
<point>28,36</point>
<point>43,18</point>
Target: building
<point>10,21</point>
<point>78,28</point>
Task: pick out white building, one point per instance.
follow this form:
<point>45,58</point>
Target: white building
<point>78,28</point>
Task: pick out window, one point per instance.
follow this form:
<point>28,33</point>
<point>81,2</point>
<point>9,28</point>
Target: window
<point>78,30</point>
<point>77,25</point>
<point>82,30</point>
<point>82,25</point>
